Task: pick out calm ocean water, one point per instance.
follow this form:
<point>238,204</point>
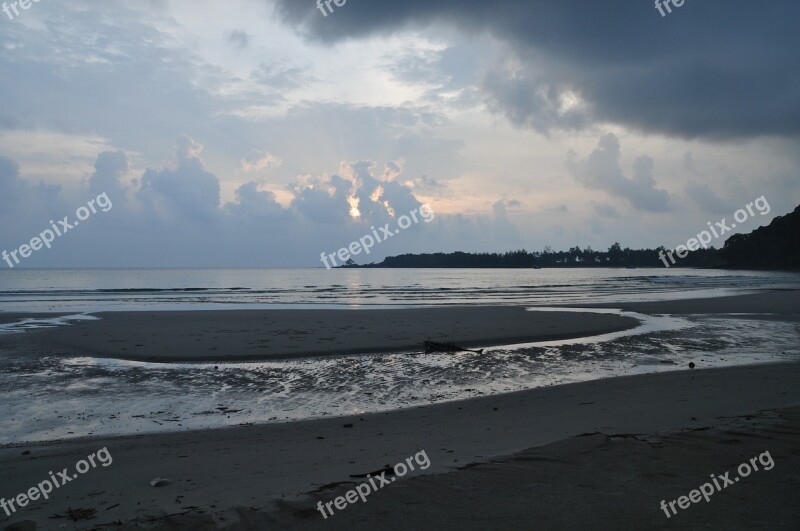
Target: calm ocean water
<point>88,290</point>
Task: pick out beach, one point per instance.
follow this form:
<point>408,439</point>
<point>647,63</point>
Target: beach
<point>767,304</point>
<point>560,455</point>
<point>422,265</point>
<point>268,475</point>
<point>241,335</point>
<point>234,335</point>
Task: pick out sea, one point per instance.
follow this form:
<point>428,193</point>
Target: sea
<point>93,290</point>
<point>53,395</point>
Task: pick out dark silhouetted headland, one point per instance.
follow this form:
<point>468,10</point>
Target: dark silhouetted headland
<point>770,247</point>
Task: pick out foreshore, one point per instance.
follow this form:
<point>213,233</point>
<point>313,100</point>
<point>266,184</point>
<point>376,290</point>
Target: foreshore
<point>248,335</point>
<point>783,303</point>
<point>597,454</point>
<point>238,335</point>
<point>266,474</point>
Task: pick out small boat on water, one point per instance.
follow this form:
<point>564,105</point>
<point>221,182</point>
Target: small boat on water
<point>433,346</point>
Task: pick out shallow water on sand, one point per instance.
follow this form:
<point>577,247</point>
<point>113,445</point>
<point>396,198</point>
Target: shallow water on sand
<point>44,397</point>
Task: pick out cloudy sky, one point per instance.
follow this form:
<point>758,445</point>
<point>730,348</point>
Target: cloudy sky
<point>260,133</point>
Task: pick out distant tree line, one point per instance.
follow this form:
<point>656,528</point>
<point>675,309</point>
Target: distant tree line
<point>616,256</point>
<point>770,247</point>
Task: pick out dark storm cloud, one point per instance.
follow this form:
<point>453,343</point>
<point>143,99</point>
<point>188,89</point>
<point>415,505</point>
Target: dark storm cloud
<point>710,69</point>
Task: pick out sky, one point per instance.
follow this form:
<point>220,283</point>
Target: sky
<point>262,133</point>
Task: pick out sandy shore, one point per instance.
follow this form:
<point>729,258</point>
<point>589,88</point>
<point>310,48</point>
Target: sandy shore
<point>598,454</point>
<point>599,481</point>
<point>273,334</point>
<point>240,472</point>
<point>784,303</point>
<point>241,335</point>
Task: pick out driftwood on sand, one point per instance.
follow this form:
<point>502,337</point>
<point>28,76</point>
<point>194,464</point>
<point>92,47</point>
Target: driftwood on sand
<point>433,346</point>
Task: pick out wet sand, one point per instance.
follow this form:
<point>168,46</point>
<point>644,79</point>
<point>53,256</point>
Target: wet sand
<point>598,454</point>
<point>237,335</point>
<point>602,481</point>
<point>242,335</point>
<point>784,303</point>
<point>271,471</point>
